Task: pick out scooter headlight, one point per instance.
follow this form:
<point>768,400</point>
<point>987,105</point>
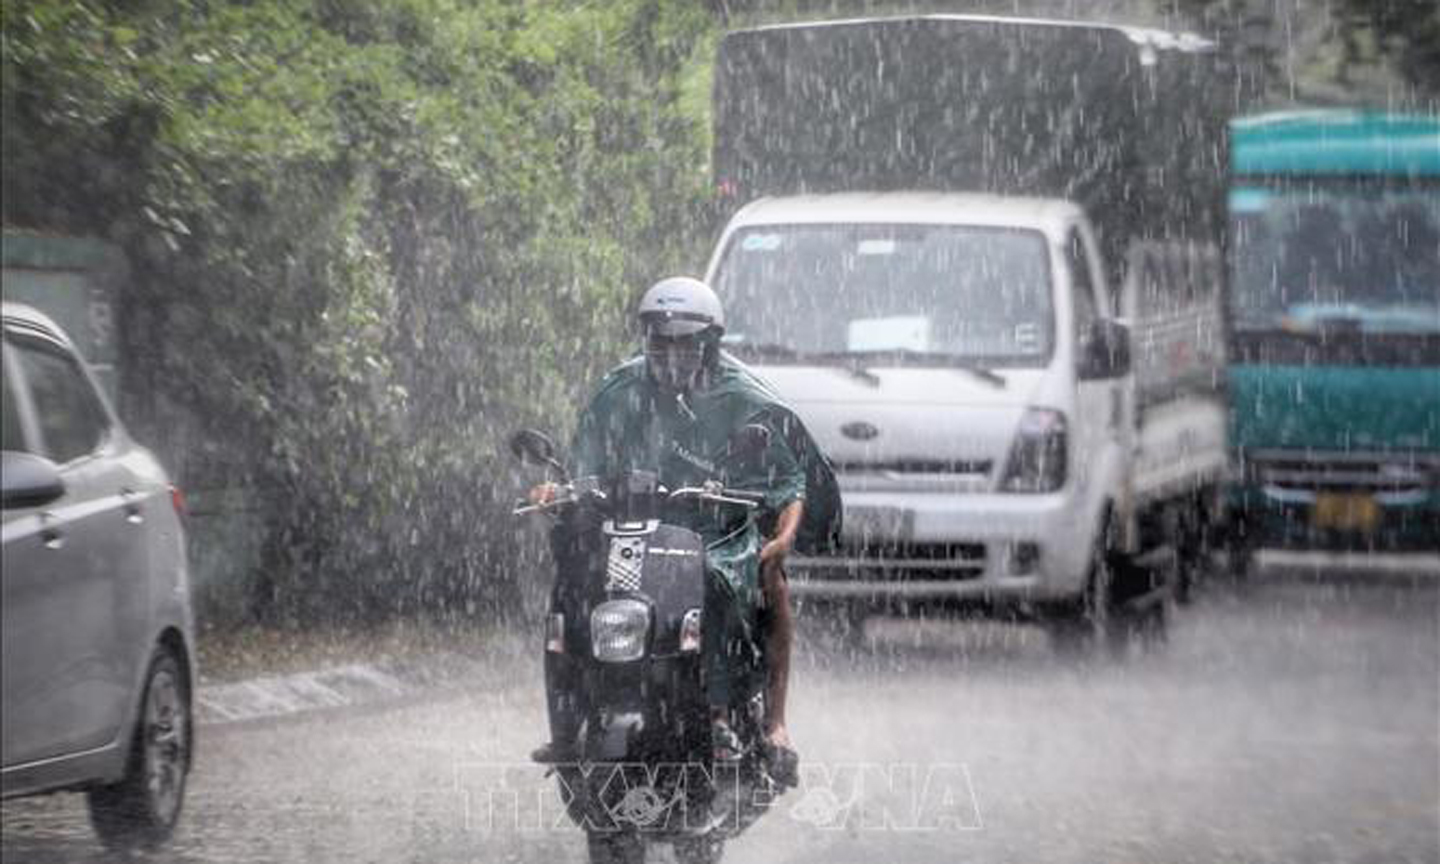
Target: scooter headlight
<point>618,629</point>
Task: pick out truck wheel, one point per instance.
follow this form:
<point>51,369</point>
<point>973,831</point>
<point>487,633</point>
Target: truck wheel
<point>1242,560</point>
<point>1192,553</point>
<point>615,847</point>
<point>1143,596</point>
<point>1076,627</point>
<point>141,810</point>
<point>1153,627</point>
<point>1202,536</point>
<point>1239,555</point>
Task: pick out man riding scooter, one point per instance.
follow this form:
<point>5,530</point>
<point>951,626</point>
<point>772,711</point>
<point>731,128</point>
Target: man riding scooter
<point>676,410</point>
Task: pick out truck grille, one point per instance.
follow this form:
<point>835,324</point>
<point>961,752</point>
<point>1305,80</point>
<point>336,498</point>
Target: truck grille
<point>917,466</point>
<point>901,561</point>
<point>967,476</point>
<point>974,552</point>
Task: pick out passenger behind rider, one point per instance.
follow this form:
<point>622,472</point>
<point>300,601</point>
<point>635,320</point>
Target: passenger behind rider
<point>677,414</point>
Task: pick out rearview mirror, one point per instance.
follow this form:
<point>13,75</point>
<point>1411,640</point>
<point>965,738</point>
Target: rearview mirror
<point>27,480</point>
<point>533,447</point>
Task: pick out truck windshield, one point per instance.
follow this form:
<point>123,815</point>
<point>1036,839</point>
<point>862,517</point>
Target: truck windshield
<point>1358,258</point>
<point>916,294</point>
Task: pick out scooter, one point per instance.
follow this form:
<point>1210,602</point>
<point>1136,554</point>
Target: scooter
<point>624,659</point>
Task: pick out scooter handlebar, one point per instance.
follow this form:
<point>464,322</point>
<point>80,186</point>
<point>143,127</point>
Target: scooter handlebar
<point>566,494</point>
<point>720,495</point>
<point>714,494</point>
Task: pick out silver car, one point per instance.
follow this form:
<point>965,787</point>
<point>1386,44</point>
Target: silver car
<point>98,631</point>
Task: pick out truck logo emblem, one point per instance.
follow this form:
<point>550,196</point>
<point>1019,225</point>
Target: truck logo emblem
<point>859,430</point>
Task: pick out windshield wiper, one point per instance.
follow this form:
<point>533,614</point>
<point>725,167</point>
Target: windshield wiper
<point>984,373</point>
<point>858,362</point>
<point>775,351</point>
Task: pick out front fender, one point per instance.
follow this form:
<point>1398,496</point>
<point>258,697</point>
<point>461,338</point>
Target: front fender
<point>169,622</point>
<point>1109,487</point>
<point>611,741</point>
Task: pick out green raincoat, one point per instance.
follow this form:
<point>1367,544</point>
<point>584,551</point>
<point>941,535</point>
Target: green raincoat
<point>631,424</point>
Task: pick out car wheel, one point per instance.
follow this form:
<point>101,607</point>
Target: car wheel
<point>142,809</point>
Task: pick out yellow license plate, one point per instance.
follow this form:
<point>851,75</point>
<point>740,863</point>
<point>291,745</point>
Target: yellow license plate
<point>1346,512</point>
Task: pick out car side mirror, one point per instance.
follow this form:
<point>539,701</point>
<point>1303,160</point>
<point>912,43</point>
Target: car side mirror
<point>533,447</point>
<point>27,480</point>
<point>1104,351</point>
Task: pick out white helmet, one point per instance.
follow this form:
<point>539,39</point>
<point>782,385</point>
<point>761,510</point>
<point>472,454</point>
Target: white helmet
<point>681,320</point>
<point>681,306</point>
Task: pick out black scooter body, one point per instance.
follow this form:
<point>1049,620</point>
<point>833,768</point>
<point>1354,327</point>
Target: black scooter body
<point>628,710</point>
<point>650,714</point>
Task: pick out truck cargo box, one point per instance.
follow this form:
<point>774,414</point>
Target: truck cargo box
<point>1128,122</point>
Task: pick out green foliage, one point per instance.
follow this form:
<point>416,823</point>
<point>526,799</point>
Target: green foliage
<point>1384,53</point>
<point>368,239</point>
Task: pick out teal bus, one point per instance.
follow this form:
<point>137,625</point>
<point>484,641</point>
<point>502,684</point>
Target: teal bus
<point>1334,336</point>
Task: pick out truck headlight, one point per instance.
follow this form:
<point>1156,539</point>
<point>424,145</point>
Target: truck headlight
<point>618,629</point>
<point>1037,458</point>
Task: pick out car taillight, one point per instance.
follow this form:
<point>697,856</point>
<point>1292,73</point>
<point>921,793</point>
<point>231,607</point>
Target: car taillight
<point>177,500</point>
<point>555,634</point>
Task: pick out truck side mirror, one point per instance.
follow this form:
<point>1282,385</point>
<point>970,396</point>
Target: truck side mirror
<point>28,481</point>
<point>1104,351</point>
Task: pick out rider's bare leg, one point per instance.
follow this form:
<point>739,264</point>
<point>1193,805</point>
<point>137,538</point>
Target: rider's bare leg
<point>779,640</point>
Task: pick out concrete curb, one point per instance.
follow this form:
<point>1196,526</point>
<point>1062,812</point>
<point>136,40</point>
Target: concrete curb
<point>280,695</point>
<point>495,667</point>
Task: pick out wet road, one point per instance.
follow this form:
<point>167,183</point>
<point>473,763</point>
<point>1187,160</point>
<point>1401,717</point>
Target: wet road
<point>1289,721</point>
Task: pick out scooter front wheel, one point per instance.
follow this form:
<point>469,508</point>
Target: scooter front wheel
<point>615,847</point>
<point>699,850</point>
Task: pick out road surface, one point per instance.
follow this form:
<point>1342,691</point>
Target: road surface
<point>1284,722</point>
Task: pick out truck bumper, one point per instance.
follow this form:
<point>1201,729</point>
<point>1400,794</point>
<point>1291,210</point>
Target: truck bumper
<point>1378,564</point>
<point>1345,529</point>
<point>997,549</point>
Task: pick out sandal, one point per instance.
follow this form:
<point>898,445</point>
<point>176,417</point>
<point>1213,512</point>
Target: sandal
<point>554,753</point>
<point>784,765</point>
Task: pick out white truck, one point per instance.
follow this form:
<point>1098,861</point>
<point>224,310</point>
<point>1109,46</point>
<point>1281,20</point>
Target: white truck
<point>1004,437</point>
<point>982,262</point>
